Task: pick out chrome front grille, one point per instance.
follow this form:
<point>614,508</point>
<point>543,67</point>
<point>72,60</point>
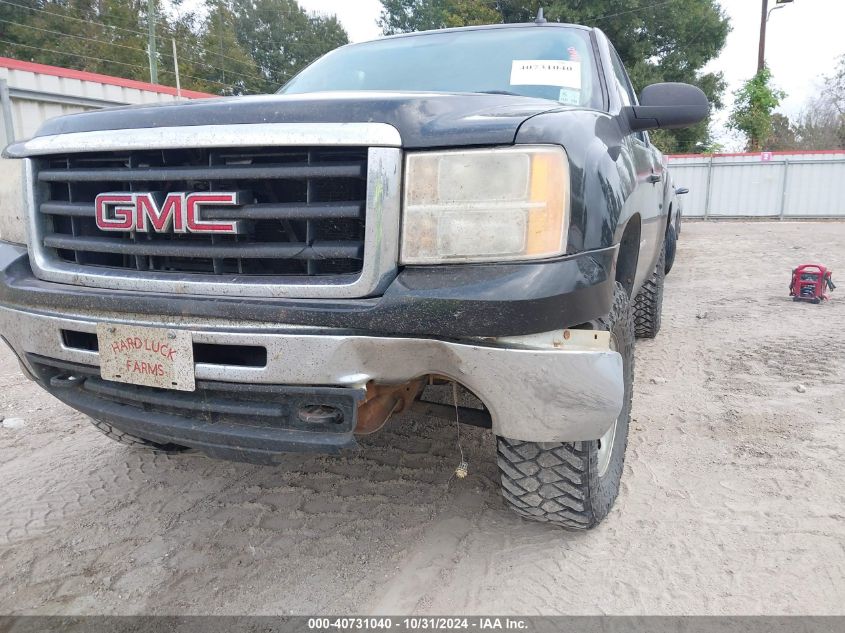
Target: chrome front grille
<point>319,214</point>
<point>304,212</point>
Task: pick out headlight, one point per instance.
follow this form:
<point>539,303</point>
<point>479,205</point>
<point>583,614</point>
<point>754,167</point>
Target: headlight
<point>12,215</point>
<point>485,205</point>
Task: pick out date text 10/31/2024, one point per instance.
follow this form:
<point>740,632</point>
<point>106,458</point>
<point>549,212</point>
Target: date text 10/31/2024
<point>418,624</point>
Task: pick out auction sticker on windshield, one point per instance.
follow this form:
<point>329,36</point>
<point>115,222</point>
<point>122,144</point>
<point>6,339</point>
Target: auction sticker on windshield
<point>152,357</point>
<point>546,72</point>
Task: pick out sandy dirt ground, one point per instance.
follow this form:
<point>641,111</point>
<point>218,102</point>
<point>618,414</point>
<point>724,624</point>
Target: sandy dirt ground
<point>731,502</point>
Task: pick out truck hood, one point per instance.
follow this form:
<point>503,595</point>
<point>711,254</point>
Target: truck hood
<point>423,119</point>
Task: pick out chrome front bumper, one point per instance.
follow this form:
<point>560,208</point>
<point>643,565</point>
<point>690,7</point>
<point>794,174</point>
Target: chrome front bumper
<point>538,388</point>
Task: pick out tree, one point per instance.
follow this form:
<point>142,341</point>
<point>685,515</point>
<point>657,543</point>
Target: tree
<point>821,123</point>
<point>215,57</point>
<point>834,91</point>
<point>755,102</point>
<point>656,41</point>
<point>820,126</point>
<point>402,16</point>
<point>784,137</point>
<point>282,38</point>
<point>104,36</point>
<point>223,46</point>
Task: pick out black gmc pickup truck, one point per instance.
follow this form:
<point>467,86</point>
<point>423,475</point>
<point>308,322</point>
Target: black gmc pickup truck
<point>252,276</point>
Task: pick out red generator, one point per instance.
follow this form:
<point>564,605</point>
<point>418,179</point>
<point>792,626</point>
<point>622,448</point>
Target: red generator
<point>810,282</point>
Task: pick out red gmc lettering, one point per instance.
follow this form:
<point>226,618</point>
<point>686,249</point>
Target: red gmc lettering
<point>161,216</point>
<point>154,211</point>
<point>122,216</point>
<point>193,202</point>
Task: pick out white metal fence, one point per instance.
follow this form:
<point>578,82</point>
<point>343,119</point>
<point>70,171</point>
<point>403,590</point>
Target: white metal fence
<point>32,93</point>
<point>779,185</point>
<point>767,185</point>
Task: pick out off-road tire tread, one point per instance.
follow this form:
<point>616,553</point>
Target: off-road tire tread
<point>539,482</point>
<point>648,304</point>
<point>670,249</point>
<point>551,482</point>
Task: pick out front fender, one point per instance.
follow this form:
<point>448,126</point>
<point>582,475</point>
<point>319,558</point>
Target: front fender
<point>603,176</point>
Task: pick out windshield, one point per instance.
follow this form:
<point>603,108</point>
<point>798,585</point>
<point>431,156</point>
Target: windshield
<point>550,63</point>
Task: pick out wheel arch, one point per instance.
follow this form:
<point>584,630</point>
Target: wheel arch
<point>629,253</point>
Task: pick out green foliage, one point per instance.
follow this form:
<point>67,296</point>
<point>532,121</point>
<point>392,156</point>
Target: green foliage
<point>402,16</point>
<point>784,136</point>
<point>223,47</point>
<point>470,13</point>
<point>834,91</point>
<point>657,41</point>
<point>821,125</point>
<point>755,102</point>
<point>104,36</point>
<point>282,38</point>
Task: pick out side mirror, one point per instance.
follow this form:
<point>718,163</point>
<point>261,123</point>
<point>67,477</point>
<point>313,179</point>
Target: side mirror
<point>667,105</point>
<point>681,191</point>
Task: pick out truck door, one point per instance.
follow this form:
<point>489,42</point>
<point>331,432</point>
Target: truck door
<point>647,199</point>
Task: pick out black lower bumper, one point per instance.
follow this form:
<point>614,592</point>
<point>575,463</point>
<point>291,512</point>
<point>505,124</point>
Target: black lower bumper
<point>252,423</point>
<point>455,301</point>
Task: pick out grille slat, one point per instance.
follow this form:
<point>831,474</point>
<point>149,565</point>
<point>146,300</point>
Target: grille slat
<point>159,174</point>
<point>288,250</point>
<point>303,211</point>
<point>288,210</point>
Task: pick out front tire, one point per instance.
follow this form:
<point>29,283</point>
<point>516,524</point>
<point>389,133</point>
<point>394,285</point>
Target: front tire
<point>574,484</point>
<point>132,440</point>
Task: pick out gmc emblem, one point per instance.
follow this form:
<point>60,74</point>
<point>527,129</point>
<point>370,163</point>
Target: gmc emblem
<point>176,212</point>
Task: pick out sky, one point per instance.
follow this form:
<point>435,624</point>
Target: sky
<point>804,39</point>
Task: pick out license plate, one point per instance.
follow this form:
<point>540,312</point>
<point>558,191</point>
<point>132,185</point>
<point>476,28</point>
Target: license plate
<point>148,356</point>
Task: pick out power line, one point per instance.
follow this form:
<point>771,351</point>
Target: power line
<point>71,12</point>
<point>262,79</point>
<point>213,54</point>
<point>79,37</point>
<point>96,59</point>
<point>70,17</point>
<point>637,10</point>
<point>136,49</point>
<point>109,26</point>
<point>108,61</point>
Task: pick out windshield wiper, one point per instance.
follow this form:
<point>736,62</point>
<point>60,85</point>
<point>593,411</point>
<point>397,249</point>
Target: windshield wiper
<point>498,92</point>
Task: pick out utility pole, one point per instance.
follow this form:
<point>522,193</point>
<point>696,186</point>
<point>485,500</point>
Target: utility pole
<point>176,69</point>
<point>764,20</point>
<point>761,54</point>
<point>151,44</point>
<point>220,28</point>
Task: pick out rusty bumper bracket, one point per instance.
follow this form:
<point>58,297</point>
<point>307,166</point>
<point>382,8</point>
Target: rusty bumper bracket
<point>382,401</point>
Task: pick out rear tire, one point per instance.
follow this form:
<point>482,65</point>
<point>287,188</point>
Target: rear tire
<point>670,248</point>
<point>132,440</point>
<point>648,305</point>
<point>574,484</point>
